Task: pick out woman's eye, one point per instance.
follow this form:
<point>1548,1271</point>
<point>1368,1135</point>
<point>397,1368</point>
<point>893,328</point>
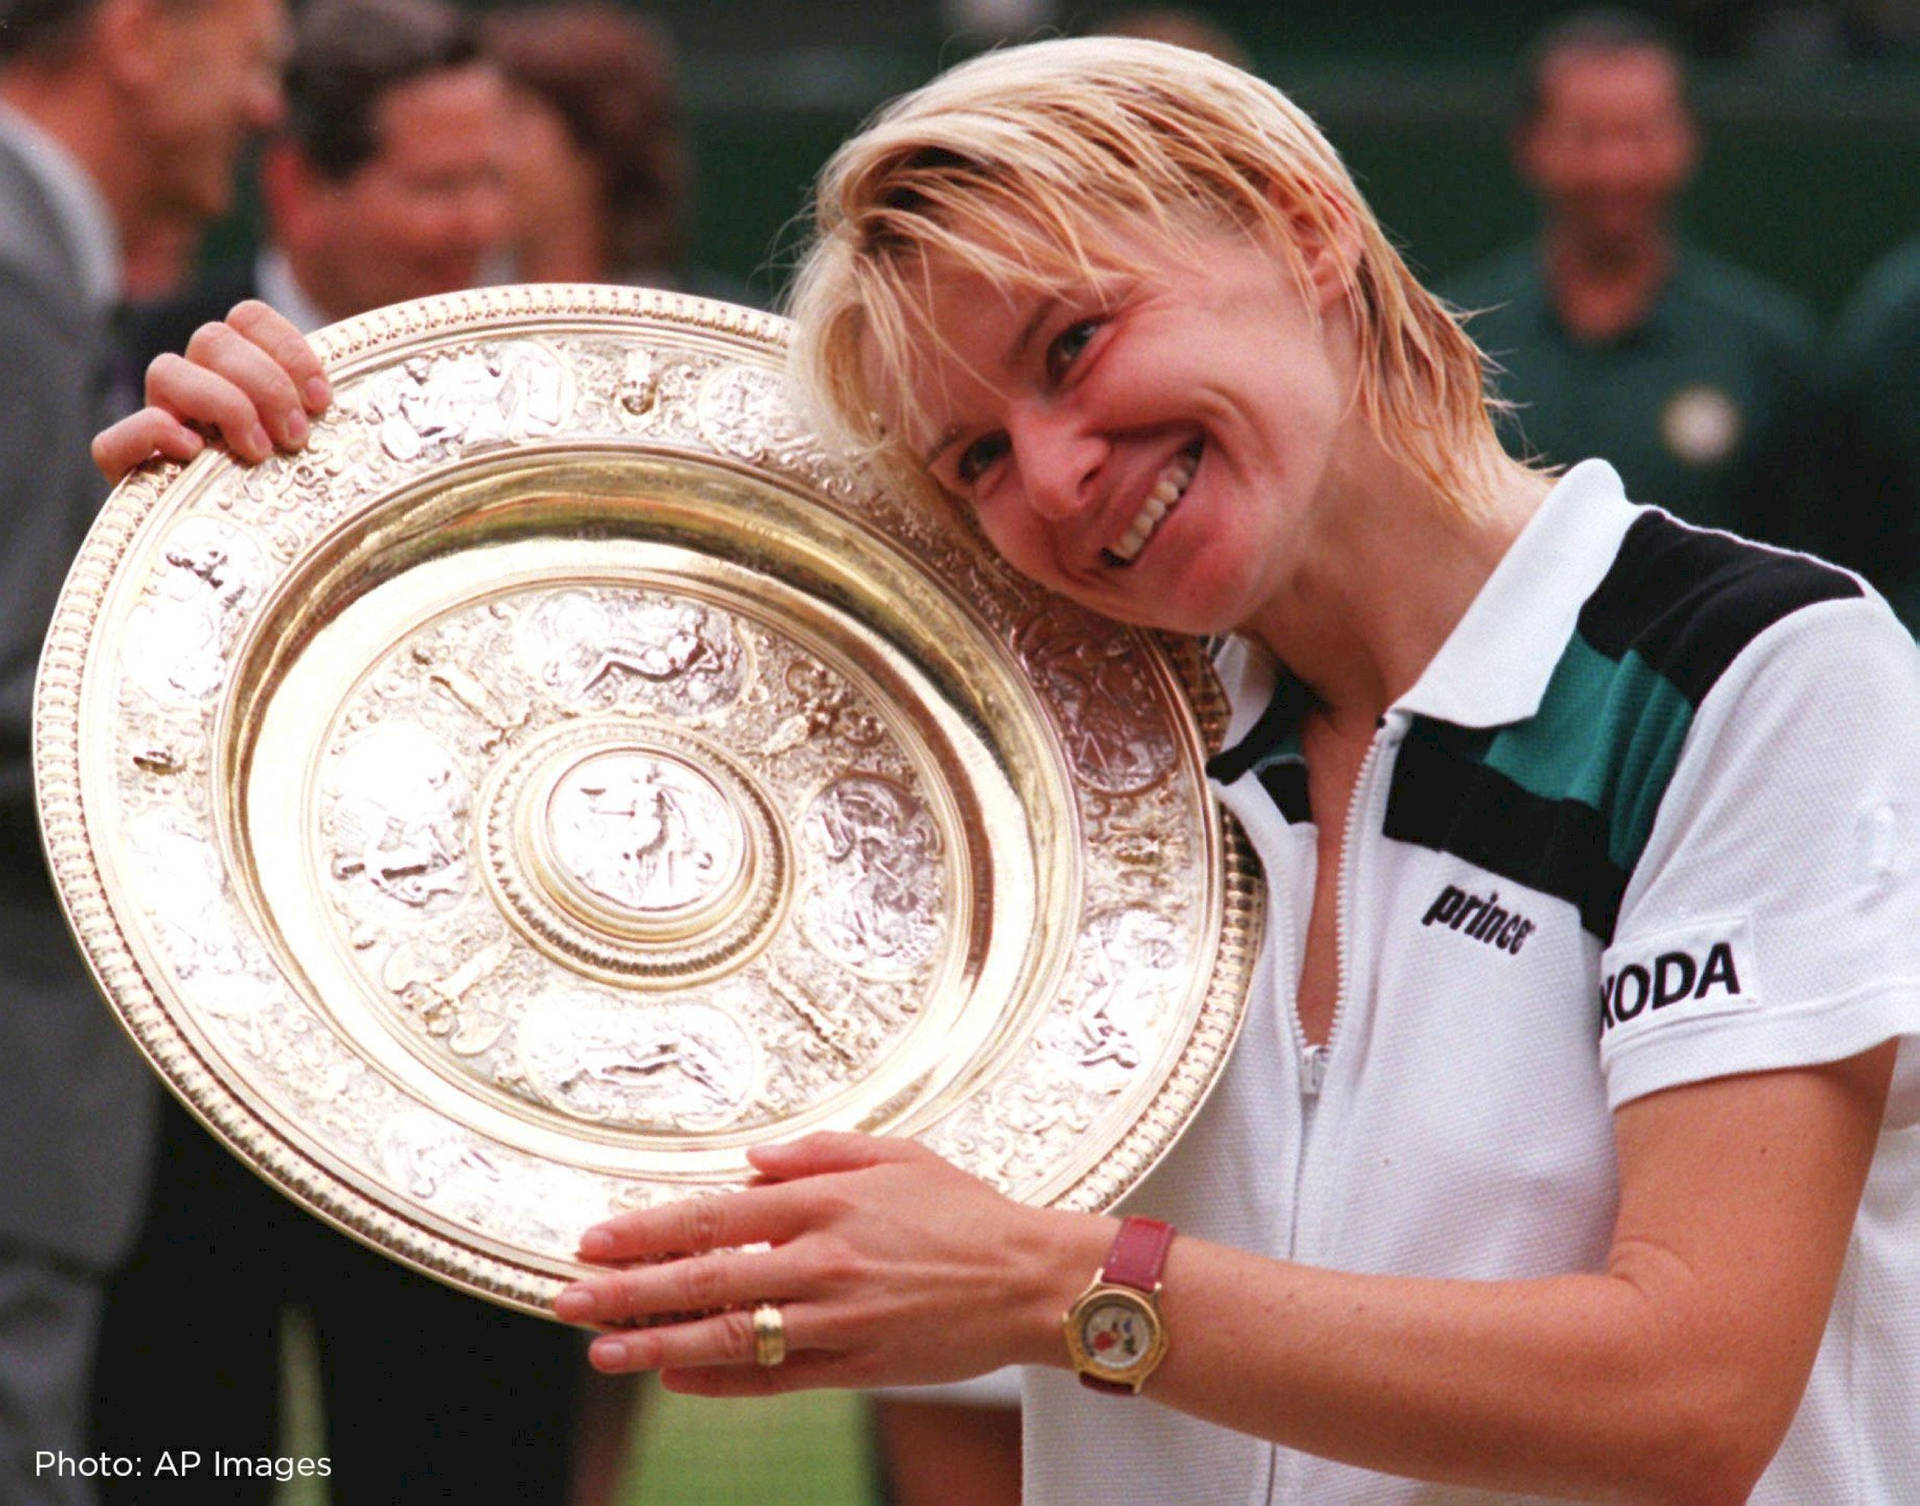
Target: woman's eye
<point>978,456</point>
<point>1066,347</point>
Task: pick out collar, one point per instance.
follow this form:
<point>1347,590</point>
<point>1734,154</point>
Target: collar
<point>281,291</point>
<point>86,223</point>
<point>1494,666</point>
<point>1266,706</point>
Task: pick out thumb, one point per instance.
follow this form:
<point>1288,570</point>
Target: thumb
<point>827,1151</point>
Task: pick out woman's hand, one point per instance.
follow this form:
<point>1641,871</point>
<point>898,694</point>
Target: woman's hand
<point>253,380</point>
<point>890,1266</point>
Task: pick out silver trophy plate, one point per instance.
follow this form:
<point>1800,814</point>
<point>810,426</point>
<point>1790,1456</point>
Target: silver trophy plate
<point>563,775</point>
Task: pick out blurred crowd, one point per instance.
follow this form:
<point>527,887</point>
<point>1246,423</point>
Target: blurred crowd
<point>564,156</point>
<point>394,149</point>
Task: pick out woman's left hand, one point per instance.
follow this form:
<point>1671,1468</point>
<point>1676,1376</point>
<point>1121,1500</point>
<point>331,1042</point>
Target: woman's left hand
<point>889,1265</point>
<point>252,379</point>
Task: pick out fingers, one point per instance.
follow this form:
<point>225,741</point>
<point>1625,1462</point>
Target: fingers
<point>824,1152</point>
<point>263,389</point>
<point>198,396</point>
<point>283,343</point>
<point>252,379</point>
<point>890,1264</point>
<point>721,1339</point>
<point>139,437</point>
<point>766,1214</point>
<point>697,1284</point>
<point>715,1356</point>
<point>762,1215</point>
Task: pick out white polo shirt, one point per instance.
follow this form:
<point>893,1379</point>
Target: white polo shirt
<point>1651,816</point>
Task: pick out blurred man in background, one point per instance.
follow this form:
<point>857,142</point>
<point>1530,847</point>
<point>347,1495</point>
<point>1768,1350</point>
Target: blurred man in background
<point>388,182</point>
<point>1613,336</point>
<point>116,116</point>
<point>386,185</point>
<point>597,161</point>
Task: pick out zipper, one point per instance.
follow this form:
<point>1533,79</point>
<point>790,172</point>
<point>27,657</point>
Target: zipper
<point>1316,1063</point>
<point>1313,1069</point>
<point>1315,1059</point>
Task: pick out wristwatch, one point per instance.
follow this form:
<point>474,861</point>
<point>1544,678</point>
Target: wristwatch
<point>1115,1336</point>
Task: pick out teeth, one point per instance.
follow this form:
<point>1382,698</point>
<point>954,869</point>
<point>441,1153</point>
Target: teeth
<point>1169,489</point>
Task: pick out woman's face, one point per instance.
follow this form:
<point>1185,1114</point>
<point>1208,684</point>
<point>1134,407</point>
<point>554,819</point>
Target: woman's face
<point>1153,446</point>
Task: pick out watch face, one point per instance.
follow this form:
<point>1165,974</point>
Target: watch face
<point>1116,1333</point>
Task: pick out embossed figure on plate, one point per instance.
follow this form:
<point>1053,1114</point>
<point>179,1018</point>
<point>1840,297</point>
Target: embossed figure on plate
<point>644,831</point>
<point>180,875</point>
<point>880,910</point>
<point>489,395</point>
<point>1098,677</point>
<point>616,646</point>
<point>744,412</point>
<point>672,1065</point>
<point>185,626</point>
<point>639,385</point>
<point>1130,957</point>
<point>398,816</point>
<point>463,1177</point>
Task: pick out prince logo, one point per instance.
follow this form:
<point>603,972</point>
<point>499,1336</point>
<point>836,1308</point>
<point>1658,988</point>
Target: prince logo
<point>1480,917</point>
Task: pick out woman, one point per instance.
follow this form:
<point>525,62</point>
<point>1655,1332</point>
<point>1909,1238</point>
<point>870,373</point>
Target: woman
<point>1589,840</point>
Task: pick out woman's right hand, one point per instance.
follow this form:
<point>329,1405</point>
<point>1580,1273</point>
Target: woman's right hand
<point>252,380</point>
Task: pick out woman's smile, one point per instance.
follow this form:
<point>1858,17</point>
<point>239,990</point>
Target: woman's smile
<point>1164,497</point>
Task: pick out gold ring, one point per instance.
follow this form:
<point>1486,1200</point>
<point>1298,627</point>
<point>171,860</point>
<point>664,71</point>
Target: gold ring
<point>769,1335</point>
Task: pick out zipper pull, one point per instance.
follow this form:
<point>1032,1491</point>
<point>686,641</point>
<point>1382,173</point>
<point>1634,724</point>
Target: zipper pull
<point>1313,1070</point>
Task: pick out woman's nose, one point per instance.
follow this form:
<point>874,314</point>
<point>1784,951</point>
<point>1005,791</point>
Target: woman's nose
<point>1059,460</point>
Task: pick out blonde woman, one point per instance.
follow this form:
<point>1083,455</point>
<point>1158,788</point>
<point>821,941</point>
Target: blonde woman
<point>1569,1148</point>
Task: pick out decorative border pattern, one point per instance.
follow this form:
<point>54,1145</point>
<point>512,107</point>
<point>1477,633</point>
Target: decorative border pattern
<point>381,339</point>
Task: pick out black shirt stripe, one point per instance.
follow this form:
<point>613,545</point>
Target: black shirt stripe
<point>1688,601</point>
<point>1444,798</point>
<point>1277,729</point>
<point>1285,779</point>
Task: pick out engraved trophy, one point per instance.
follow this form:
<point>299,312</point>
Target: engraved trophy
<point>562,775</point>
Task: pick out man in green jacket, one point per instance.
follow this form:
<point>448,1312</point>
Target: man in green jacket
<point>1613,336</point>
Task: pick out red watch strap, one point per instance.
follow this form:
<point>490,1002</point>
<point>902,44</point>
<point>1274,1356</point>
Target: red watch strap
<point>1136,1259</point>
<point>1139,1254</point>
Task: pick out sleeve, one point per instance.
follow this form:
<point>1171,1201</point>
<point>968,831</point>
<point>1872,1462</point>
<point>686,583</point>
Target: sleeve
<point>1773,919</point>
<point>48,496</point>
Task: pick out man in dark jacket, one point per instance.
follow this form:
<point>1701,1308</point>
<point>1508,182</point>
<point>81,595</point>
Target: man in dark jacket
<point>114,115</point>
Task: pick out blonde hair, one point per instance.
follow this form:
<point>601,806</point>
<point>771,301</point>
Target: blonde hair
<point>1021,165</point>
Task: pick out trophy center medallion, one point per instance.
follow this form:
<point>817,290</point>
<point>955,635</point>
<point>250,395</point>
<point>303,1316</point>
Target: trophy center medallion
<point>636,852</point>
<point>644,840</point>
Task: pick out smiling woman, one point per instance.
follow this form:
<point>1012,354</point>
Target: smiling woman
<point>1012,171</point>
<point>1454,1220</point>
<point>1113,440</point>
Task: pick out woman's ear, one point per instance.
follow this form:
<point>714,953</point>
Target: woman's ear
<point>1327,232</point>
<point>1325,240</point>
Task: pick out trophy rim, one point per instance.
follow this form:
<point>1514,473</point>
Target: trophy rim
<point>80,823</point>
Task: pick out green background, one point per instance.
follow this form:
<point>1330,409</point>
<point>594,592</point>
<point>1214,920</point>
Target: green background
<point>1806,177</point>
